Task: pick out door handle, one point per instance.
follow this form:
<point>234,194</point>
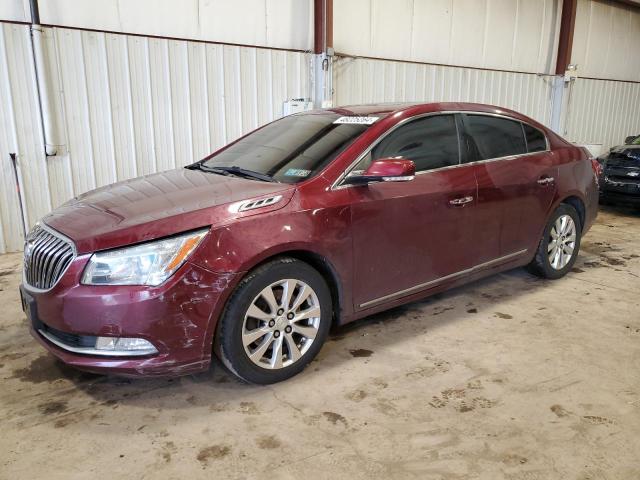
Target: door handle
<point>460,201</point>
<point>546,180</point>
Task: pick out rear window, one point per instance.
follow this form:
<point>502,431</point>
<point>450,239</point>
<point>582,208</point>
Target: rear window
<point>536,141</point>
<point>496,137</point>
<point>291,149</point>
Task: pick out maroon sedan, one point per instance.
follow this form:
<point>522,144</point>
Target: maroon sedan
<point>317,218</point>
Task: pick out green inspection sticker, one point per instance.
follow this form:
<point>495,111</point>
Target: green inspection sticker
<point>297,172</point>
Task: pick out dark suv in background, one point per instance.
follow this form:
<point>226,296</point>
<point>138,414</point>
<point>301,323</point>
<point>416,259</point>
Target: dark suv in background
<point>620,177</point>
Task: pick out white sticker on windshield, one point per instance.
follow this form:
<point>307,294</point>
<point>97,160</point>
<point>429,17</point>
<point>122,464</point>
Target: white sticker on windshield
<point>357,120</point>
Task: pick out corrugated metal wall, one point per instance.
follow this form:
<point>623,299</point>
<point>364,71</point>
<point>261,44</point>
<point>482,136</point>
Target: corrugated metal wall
<point>19,133</point>
<point>360,80</point>
<point>130,106</point>
<point>518,35</point>
<point>596,111</point>
<point>602,111</point>
<point>268,23</point>
<point>606,40</point>
<point>136,105</point>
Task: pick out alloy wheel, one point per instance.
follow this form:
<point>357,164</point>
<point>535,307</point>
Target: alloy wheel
<point>281,324</point>
<point>562,242</point>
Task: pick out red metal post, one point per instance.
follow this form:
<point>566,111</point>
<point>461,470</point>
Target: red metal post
<point>322,25</point>
<point>565,43</point>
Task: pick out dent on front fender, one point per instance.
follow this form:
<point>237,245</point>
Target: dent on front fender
<point>241,245</point>
<point>323,234</point>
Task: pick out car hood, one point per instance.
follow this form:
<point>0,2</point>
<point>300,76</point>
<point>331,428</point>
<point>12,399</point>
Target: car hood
<point>157,205</point>
<point>627,149</point>
<point>626,156</point>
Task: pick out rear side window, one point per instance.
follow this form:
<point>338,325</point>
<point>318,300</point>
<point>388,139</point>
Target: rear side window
<point>496,137</point>
<point>430,142</point>
<point>536,141</point>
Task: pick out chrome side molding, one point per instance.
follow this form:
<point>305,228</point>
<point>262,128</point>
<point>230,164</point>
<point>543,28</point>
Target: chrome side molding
<point>438,281</point>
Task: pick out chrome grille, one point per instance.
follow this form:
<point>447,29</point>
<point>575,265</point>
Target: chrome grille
<point>46,257</point>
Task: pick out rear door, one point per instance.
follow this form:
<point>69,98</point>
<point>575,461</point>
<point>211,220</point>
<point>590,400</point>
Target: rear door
<point>516,179</point>
<point>409,236</point>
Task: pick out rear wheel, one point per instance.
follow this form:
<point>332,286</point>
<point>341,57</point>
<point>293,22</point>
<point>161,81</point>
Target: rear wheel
<point>559,245</point>
<point>275,322</point>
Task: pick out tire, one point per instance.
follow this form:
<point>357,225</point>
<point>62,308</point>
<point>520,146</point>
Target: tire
<point>554,267</point>
<point>274,335</point>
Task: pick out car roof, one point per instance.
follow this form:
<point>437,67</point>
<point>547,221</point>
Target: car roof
<point>385,109</point>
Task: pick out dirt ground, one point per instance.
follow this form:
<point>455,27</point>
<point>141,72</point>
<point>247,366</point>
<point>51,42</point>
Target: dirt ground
<point>510,377</point>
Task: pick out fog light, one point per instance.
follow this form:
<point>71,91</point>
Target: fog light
<point>129,346</point>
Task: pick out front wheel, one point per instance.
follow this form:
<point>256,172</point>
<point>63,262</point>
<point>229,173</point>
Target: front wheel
<point>559,245</point>
<point>275,322</point>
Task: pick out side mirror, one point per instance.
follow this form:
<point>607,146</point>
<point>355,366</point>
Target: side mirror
<point>384,170</point>
<point>629,140</point>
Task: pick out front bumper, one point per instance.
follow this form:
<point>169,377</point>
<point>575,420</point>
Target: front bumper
<point>623,193</point>
<point>178,317</point>
<point>620,185</point>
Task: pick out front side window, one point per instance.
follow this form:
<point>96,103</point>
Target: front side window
<point>496,137</point>
<point>430,142</point>
<point>291,149</point>
<point>536,141</point>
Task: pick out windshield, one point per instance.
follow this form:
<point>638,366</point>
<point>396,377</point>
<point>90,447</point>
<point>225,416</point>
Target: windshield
<point>636,141</point>
<point>291,149</point>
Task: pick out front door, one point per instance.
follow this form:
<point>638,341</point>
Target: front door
<point>410,236</point>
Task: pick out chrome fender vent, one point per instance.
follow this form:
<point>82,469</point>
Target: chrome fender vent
<point>253,204</point>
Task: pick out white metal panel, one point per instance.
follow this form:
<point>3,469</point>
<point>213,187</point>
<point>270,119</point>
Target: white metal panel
<point>198,100</point>
<point>136,105</point>
<point>606,40</point>
<point>179,75</point>
<point>58,167</point>
<point>99,108</point>
<point>121,106</point>
<point>140,81</point>
<point>468,28</point>
<point>20,133</point>
<point>15,10</point>
<point>161,108</point>
<point>10,222</point>
<point>289,24</point>
<point>76,109</point>
<point>233,111</point>
<point>431,31</point>
<point>391,28</point>
<point>264,87</point>
<point>216,68</point>
<point>517,35</point>
<point>502,13</point>
<point>129,106</point>
<point>368,81</point>
<point>272,23</point>
<point>346,38</point>
<point>603,112</point>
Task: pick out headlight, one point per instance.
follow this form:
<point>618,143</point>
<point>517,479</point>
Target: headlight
<point>145,264</point>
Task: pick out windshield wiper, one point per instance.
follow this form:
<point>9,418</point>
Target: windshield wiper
<point>234,170</point>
